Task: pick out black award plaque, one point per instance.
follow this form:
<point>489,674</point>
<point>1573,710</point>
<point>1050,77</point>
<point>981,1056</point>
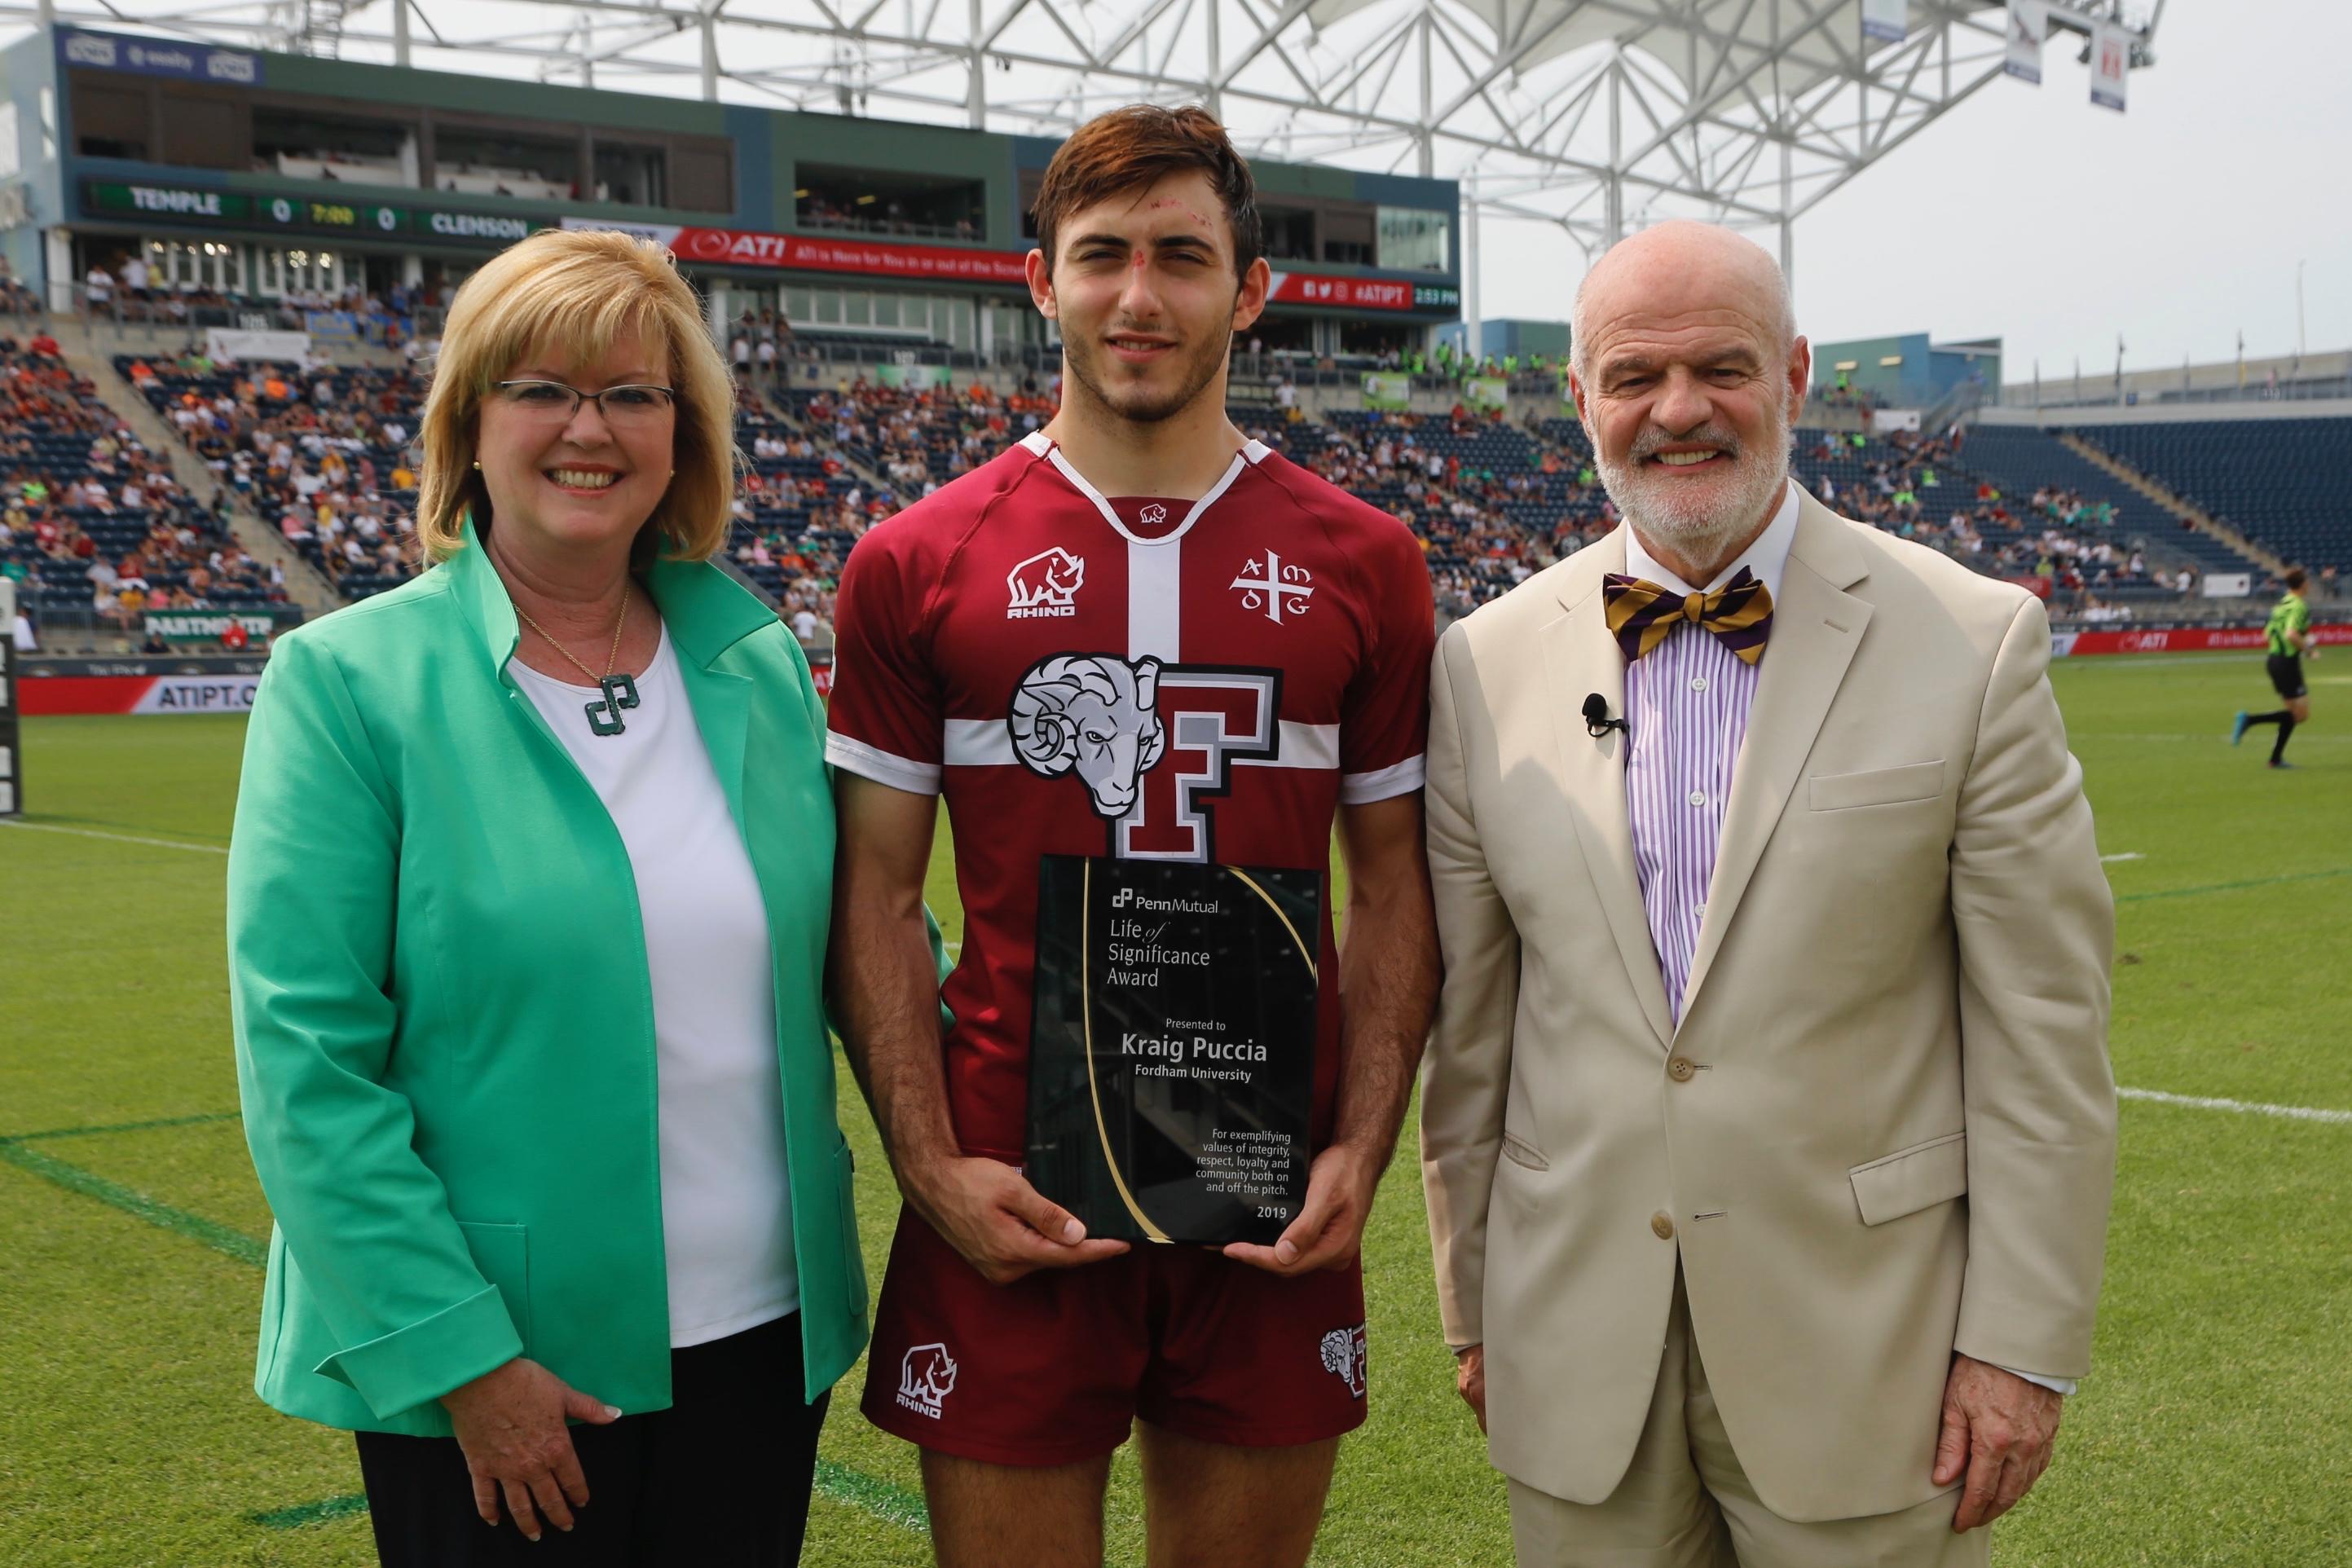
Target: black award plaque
<point>1171,1050</point>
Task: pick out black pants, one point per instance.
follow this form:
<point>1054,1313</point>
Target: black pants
<point>721,1477</point>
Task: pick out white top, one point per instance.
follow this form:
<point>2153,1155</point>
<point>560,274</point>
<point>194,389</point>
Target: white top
<point>727,1217</point>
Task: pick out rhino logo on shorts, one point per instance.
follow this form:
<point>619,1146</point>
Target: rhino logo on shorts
<point>1045,584</point>
<point>1343,1357</point>
<point>926,1376</point>
<point>1093,713</point>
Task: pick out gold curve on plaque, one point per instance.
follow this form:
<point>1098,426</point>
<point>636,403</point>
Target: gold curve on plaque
<point>1093,1090</point>
<point>1295,941</point>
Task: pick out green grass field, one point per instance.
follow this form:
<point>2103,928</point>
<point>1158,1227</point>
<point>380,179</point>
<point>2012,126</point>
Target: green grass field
<point>2216,1427</point>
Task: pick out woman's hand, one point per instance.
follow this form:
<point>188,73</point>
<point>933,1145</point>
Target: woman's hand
<point>509,1424</point>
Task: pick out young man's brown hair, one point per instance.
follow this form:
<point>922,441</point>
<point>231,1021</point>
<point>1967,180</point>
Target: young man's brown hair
<point>1133,148</point>
<point>2295,579</point>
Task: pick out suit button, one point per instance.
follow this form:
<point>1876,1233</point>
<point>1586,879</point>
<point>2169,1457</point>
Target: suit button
<point>1662,1227</point>
<point>1680,1069</point>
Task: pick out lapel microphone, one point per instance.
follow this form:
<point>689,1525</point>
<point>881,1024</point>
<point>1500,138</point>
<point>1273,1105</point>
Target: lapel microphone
<point>1597,721</point>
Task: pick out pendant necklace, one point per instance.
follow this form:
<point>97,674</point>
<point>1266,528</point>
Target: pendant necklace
<point>620,691</point>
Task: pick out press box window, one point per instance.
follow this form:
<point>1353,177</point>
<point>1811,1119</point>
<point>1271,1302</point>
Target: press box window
<point>301,145</point>
<point>1414,241</point>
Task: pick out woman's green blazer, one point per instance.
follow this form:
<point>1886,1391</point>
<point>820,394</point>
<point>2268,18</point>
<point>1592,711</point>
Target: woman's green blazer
<point>444,1028</point>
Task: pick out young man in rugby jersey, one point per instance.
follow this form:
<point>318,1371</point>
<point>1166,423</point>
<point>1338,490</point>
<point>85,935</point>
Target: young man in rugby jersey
<point>2288,637</point>
<point>1241,652</point>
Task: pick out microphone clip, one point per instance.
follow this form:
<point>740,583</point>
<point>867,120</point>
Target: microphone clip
<point>1597,721</point>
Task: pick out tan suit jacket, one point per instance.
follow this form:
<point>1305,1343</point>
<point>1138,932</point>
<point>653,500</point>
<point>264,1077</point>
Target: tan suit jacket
<point>1885,1128</point>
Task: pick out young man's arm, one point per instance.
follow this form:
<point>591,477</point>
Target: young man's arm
<point>1388,985</point>
<point>885,1001</point>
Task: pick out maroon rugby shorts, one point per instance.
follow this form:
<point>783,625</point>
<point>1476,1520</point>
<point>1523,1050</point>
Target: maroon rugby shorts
<point>1054,1367</point>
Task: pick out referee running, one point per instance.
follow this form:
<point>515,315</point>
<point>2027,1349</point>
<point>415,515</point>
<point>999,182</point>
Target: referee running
<point>2289,634</point>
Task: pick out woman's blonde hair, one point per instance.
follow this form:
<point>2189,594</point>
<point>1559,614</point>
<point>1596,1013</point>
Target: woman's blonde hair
<point>573,293</point>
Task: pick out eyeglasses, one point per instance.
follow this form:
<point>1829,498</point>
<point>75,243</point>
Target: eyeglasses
<point>555,403</point>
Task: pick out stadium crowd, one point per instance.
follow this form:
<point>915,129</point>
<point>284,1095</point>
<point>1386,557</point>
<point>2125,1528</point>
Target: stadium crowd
<point>321,451</point>
<point>92,522</point>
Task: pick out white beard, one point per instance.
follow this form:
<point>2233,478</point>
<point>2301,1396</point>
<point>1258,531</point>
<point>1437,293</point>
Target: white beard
<point>1693,525</point>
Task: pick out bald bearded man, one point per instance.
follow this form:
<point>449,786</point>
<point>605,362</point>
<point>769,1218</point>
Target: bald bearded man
<point>1767,1125</point>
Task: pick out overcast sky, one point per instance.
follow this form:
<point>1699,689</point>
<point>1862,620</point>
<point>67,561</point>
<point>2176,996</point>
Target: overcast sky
<point>2029,215</point>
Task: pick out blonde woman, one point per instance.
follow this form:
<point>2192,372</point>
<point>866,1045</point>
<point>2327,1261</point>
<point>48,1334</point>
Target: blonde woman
<point>527,910</point>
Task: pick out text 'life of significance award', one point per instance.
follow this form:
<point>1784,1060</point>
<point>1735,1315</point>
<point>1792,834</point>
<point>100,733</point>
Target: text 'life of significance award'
<point>1171,1055</point>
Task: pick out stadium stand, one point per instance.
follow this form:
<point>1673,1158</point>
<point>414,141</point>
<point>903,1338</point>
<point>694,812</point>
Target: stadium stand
<point>323,456</point>
<point>2023,459</point>
<point>320,454</point>
<point>92,523</point>
<point>2279,483</point>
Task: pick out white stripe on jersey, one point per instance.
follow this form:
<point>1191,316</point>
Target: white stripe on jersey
<point>1153,571</point>
<point>1403,778</point>
<point>883,767</point>
<point>987,743</point>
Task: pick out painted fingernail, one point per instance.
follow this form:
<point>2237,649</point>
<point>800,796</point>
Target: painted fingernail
<point>611,1412</point>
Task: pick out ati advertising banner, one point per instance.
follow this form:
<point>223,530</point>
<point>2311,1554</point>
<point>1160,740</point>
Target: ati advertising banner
<point>1486,392</point>
<point>167,694</point>
<point>1360,293</point>
<point>2028,29</point>
<point>806,253</point>
<point>2181,639</point>
<point>1385,391</point>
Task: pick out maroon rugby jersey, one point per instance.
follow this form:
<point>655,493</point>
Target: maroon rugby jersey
<point>1146,678</point>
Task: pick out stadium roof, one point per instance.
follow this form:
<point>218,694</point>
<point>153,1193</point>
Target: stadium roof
<point>1600,115</point>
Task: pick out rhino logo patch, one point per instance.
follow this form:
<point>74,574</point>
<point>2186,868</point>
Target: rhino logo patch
<point>926,1376</point>
<point>1047,585</point>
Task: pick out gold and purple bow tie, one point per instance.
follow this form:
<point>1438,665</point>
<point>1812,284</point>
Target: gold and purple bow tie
<point>1641,613</point>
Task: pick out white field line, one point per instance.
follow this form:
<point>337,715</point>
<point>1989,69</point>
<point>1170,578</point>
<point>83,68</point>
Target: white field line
<point>2220,741</point>
<point>2126,854</point>
<point>2243,1107</point>
<point>117,838</point>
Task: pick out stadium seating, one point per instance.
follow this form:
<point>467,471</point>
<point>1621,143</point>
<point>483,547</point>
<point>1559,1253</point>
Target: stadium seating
<point>92,522</point>
<point>2021,459</point>
<point>324,454</point>
<point>321,454</point>
<point>2278,481</point>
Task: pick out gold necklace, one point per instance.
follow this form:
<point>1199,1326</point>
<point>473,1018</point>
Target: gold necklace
<point>620,692</point>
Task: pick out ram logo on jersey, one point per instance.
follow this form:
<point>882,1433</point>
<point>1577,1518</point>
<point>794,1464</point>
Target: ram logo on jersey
<point>1113,720</point>
<point>1093,713</point>
<point>1047,585</point>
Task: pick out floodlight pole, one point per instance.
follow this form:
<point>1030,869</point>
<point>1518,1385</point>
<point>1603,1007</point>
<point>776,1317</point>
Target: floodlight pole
<point>1474,334</point>
<point>399,31</point>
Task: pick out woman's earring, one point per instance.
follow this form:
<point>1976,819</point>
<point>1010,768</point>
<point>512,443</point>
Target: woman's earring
<point>477,465</point>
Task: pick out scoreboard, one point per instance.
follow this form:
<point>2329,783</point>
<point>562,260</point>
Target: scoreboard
<point>257,211</point>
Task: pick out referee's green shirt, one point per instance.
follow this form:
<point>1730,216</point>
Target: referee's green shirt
<point>2291,617</point>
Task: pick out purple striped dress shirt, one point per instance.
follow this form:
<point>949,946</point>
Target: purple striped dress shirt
<point>1687,702</point>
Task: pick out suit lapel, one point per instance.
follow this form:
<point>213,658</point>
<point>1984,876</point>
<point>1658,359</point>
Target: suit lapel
<point>1816,626</point>
<point>1581,658</point>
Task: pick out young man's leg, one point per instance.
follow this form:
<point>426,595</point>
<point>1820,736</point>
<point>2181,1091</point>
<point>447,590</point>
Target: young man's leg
<point>1215,1505</point>
<point>1015,1516</point>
